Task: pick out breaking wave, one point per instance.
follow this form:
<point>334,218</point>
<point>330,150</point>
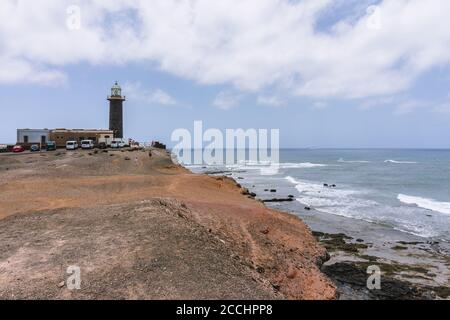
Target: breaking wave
<point>353,161</point>
<point>353,204</point>
<point>400,162</point>
<point>429,204</point>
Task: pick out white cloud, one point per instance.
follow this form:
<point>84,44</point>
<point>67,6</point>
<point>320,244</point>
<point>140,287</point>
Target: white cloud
<point>135,92</point>
<point>400,105</point>
<point>319,105</point>
<point>271,101</point>
<point>226,100</point>
<point>16,70</point>
<point>249,44</point>
<point>409,106</point>
<point>443,107</point>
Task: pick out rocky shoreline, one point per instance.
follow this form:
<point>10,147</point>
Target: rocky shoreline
<point>348,261</point>
<point>351,276</point>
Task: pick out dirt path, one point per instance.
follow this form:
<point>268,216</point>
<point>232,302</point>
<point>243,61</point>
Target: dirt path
<point>142,228</point>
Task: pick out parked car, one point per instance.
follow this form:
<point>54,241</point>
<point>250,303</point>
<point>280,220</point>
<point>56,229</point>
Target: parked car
<point>71,145</point>
<point>3,148</point>
<point>35,148</point>
<point>116,144</point>
<point>18,149</point>
<point>87,144</point>
<point>51,146</point>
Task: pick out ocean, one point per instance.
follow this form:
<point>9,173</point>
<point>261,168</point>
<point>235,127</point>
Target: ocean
<point>378,195</point>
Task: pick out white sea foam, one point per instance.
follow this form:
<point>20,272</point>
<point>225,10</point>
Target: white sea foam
<point>330,200</point>
<point>400,162</point>
<point>304,165</point>
<point>429,204</point>
<point>252,165</point>
<point>284,165</point>
<point>292,180</point>
<point>350,203</point>
<point>353,161</point>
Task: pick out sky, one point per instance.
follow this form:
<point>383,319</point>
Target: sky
<point>327,74</point>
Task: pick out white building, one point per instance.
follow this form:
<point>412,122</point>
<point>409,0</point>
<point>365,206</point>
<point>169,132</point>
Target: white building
<point>33,136</point>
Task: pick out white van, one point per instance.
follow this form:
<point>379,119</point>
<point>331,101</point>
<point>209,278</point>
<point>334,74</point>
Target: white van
<point>71,145</point>
<point>87,144</point>
<point>117,144</point>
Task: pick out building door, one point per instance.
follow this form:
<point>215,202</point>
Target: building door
<point>43,140</point>
<point>25,139</point>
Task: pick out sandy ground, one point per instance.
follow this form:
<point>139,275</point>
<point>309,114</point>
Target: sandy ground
<point>140,227</point>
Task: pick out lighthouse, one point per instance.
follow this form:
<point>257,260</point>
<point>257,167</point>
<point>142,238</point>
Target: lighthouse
<point>116,111</point>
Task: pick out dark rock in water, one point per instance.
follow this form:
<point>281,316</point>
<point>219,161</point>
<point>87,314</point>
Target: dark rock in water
<point>318,234</point>
<point>291,196</point>
<point>399,248</point>
<point>266,190</point>
<point>240,178</point>
<point>338,242</point>
<point>307,208</point>
<point>217,172</point>
<point>410,243</point>
<point>253,195</point>
<point>333,186</point>
<point>326,185</point>
<point>273,190</point>
<point>359,240</point>
<point>279,200</point>
<point>355,275</point>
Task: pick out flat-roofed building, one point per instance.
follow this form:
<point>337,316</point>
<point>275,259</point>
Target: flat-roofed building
<point>27,137</point>
<point>61,136</point>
